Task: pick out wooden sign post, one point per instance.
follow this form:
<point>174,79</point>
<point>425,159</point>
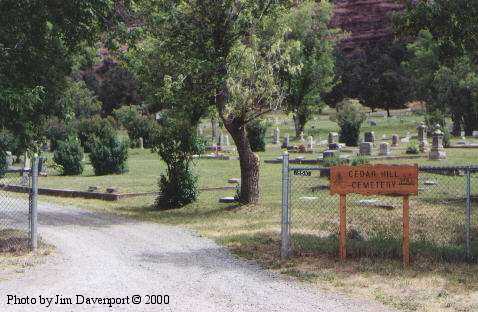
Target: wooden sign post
<point>389,180</point>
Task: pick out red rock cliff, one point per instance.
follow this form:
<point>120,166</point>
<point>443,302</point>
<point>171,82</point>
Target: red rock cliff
<point>366,21</point>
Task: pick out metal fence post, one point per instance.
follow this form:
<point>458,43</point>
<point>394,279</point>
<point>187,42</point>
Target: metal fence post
<point>468,215</point>
<point>285,231</point>
<point>33,204</point>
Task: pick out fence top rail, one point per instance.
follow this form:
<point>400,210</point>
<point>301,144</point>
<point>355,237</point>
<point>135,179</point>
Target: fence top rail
<point>17,170</point>
<point>471,168</point>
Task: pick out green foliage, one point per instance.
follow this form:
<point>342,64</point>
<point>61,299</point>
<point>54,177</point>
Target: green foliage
<point>58,131</point>
<point>350,117</point>
<point>78,101</point>
<point>256,133</point>
<point>444,64</point>
<point>38,42</point>
<point>8,142</point>
<point>333,161</point>
<point>109,155</point>
<point>413,148</point>
<point>175,142</point>
<point>137,125</point>
<point>312,43</point>
<point>95,129</point>
<point>69,155</point>
<point>360,160</point>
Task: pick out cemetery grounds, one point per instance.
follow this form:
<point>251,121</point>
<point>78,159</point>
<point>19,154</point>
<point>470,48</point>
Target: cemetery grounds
<point>252,232</point>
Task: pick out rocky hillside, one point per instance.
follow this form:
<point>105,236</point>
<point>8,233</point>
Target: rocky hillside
<point>366,21</point>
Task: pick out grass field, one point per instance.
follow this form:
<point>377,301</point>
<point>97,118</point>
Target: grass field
<point>252,231</point>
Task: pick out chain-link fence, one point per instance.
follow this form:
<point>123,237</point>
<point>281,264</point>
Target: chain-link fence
<point>442,223</point>
<point>18,215</point>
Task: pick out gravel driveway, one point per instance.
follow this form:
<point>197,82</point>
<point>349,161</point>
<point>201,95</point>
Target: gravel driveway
<point>104,256</point>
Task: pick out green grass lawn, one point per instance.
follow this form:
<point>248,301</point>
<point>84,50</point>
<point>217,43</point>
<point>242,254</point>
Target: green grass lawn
<point>252,231</point>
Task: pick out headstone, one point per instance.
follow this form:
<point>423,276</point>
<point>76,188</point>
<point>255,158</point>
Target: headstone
<point>235,180</point>
<point>366,149</point>
<point>369,137</point>
<point>9,159</point>
<point>333,137</point>
<point>200,130</point>
<point>329,153</point>
<point>422,137</point>
<point>111,190</point>
<point>141,143</point>
<point>475,134</point>
<point>310,142</point>
<point>437,151</point>
<point>334,146</point>
<point>286,142</point>
<point>384,149</point>
<point>226,140</point>
<point>302,137</point>
<point>395,140</point>
<point>92,188</point>
<point>463,135</point>
<point>222,140</point>
<point>227,200</point>
<point>372,122</point>
<point>276,136</point>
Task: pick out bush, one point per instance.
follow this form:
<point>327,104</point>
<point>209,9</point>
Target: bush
<point>69,155</point>
<point>95,129</point>
<point>350,118</point>
<point>59,131</point>
<point>334,161</point>
<point>137,125</point>
<point>176,141</point>
<point>8,142</point>
<point>256,133</point>
<point>359,160</point>
<point>413,148</point>
<point>109,155</point>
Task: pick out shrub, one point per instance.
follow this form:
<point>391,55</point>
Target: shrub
<point>413,148</point>
<point>94,129</point>
<point>137,125</point>
<point>359,160</point>
<point>69,155</point>
<point>175,142</point>
<point>350,118</point>
<point>256,133</point>
<point>59,131</point>
<point>334,161</point>
<point>8,142</point>
<point>109,155</point>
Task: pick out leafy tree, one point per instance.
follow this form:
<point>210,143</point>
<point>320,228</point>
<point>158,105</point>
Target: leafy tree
<point>117,87</point>
<point>375,77</point>
<point>444,64</point>
<point>313,76</point>
<point>226,54</point>
<point>78,101</point>
<point>37,42</point>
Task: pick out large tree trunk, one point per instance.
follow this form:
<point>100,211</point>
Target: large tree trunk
<point>456,130</point>
<point>249,162</point>
<point>299,123</point>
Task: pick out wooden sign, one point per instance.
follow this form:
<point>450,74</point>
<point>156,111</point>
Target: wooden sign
<point>392,180</point>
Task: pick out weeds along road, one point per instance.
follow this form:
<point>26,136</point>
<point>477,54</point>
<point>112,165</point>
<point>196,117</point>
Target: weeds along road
<point>105,256</point>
